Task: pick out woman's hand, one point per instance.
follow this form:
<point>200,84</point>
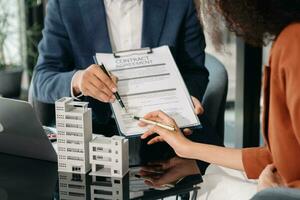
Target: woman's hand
<point>269,178</point>
<point>175,138</point>
<point>198,108</point>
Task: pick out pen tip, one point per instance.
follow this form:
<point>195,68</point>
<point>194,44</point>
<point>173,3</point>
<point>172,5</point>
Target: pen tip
<point>135,117</point>
<point>125,110</point>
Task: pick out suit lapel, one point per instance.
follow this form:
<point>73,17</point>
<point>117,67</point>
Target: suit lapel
<point>94,18</point>
<point>153,21</point>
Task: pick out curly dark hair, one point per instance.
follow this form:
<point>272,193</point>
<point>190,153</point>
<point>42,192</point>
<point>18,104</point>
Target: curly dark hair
<point>257,21</point>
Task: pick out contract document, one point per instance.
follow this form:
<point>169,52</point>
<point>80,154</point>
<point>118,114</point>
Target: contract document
<point>148,80</point>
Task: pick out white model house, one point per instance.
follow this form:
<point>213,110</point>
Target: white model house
<point>73,186</point>
<point>110,188</point>
<point>109,156</point>
<point>74,132</point>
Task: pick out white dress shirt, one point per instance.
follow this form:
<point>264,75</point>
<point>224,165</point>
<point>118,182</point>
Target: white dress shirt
<point>124,20</point>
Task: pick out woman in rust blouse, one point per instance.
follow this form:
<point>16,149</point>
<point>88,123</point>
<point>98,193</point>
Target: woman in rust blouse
<point>278,162</point>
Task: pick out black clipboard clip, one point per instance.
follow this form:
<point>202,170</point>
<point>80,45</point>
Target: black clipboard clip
<point>146,50</point>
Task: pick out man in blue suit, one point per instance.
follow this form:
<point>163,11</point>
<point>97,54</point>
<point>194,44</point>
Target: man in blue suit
<point>76,29</point>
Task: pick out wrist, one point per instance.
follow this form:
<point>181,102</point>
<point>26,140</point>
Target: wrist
<point>76,82</point>
<point>186,149</point>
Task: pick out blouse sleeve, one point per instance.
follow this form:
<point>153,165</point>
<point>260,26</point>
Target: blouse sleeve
<point>290,62</point>
<point>295,184</point>
<point>255,160</point>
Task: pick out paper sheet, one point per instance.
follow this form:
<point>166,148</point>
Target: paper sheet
<point>149,82</point>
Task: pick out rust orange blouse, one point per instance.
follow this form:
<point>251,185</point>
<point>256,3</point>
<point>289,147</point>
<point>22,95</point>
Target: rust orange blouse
<point>281,114</point>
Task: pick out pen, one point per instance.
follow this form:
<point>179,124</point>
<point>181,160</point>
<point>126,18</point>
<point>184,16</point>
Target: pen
<point>170,128</point>
<point>116,94</point>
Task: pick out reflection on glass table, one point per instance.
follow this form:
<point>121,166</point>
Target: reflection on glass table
<point>166,174</point>
<point>156,180</point>
<point>110,188</point>
<point>175,177</point>
<point>85,187</point>
<point>73,186</point>
<point>155,174</point>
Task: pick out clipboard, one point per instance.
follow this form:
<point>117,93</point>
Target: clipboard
<point>150,52</point>
<point>127,53</point>
<point>119,54</point>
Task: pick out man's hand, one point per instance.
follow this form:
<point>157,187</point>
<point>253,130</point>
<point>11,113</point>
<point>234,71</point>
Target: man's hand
<point>269,177</point>
<point>95,83</point>
<point>198,109</point>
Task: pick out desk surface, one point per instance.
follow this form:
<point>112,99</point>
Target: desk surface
<point>23,178</point>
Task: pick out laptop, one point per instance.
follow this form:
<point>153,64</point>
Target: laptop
<point>21,133</point>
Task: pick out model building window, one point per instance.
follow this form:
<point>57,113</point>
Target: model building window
<point>74,125</point>
<point>74,134</point>
<point>73,117</point>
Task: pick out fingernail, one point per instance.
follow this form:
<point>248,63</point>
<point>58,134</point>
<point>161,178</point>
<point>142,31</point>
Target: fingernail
<point>114,90</point>
<point>103,100</point>
<point>137,176</point>
<point>112,100</point>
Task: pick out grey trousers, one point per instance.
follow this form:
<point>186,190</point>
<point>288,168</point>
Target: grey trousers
<point>278,194</point>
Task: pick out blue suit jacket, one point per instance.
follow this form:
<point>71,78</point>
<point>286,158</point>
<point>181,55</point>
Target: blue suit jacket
<point>76,29</point>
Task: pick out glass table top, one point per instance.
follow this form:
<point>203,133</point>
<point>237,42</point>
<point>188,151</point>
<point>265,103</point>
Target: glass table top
<point>158,174</point>
<point>144,182</point>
